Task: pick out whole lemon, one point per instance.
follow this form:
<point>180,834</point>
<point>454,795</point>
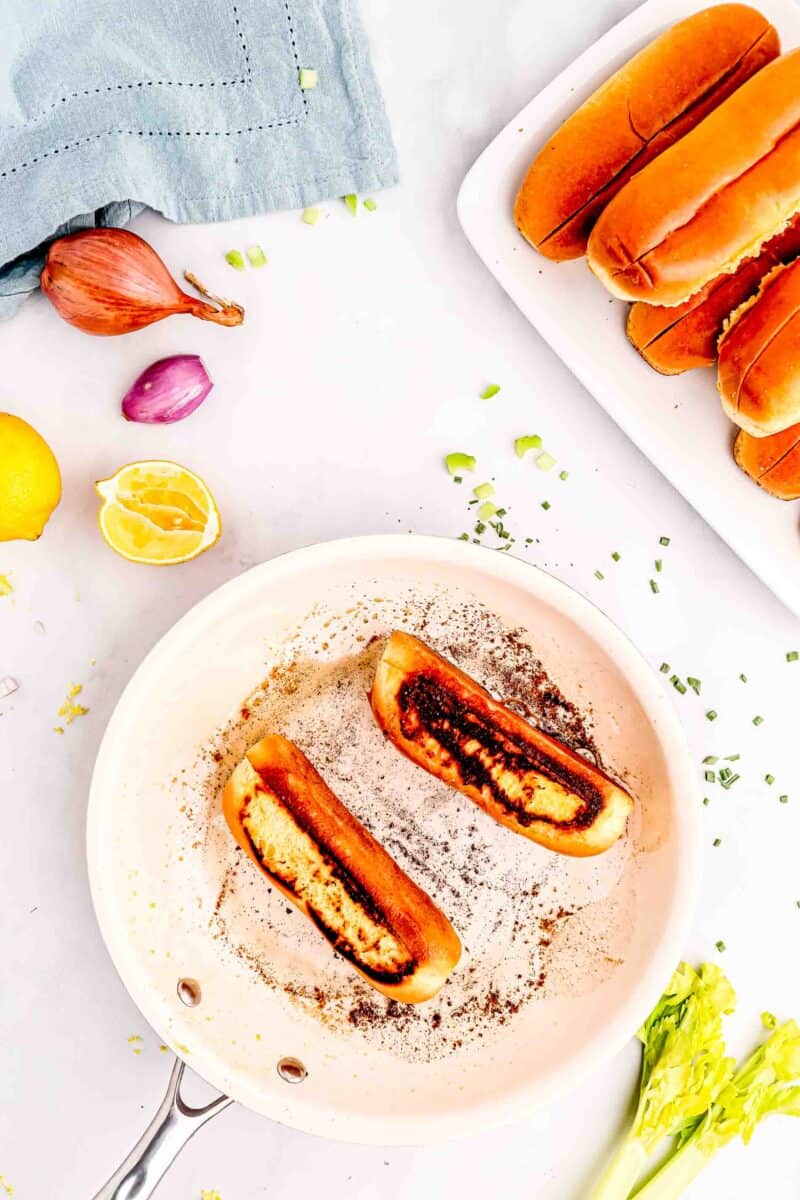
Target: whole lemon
<point>30,481</point>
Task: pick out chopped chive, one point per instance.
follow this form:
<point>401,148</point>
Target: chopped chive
<point>743,678</point>
<point>664,668</point>
<point>370,205</point>
<point>721,946</point>
<point>680,687</point>
<point>234,258</point>
<point>490,391</point>
<point>463,537</point>
<point>732,757</point>
<point>351,200</point>
<point>654,588</point>
<point>480,528</point>
<point>599,575</point>
<point>308,79</point>
<point>673,679</point>
<point>483,491</point>
<point>310,215</point>
<point>694,684</point>
<point>615,555</point>
<point>459,462</point>
<point>710,760</point>
<point>711,715</point>
<point>759,720</point>
<point>545,505</point>
<point>792,655</point>
<point>730,781</point>
<point>487,510</point>
<point>457,479</point>
<point>501,512</point>
<point>710,777</point>
<point>663,541</point>
<point>706,800</point>
<point>545,461</point>
<point>530,441</point>
<point>717,842</point>
<point>563,474</point>
<point>783,799</point>
<point>770,779</point>
<point>724,774</point>
<point>256,256</point>
<point>659,564</point>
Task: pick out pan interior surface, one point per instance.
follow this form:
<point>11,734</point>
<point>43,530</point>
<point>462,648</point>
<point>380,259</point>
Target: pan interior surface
<point>562,957</point>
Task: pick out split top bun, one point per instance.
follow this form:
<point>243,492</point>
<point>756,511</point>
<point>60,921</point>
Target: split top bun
<point>710,200</point>
<point>657,97</point>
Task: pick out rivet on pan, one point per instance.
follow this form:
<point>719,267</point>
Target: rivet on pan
<point>291,1070</point>
<point>189,992</point>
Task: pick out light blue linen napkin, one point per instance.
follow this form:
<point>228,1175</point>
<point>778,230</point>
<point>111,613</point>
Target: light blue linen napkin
<point>191,107</point>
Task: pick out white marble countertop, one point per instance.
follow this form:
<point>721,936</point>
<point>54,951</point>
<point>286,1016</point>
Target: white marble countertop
<point>366,345</point>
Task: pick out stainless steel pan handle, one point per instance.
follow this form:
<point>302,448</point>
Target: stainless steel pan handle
<point>159,1145</point>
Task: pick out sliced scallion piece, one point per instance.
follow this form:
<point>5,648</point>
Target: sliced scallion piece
<point>710,760</point>
<point>694,684</point>
<point>522,445</point>
<point>664,668</point>
<point>711,715</point>
<point>599,575</point>
<point>615,555</point>
<point>654,588</point>
<point>457,461</point>
<point>663,541</point>
<point>792,655</point>
<point>545,505</point>
<point>770,779</point>
<point>563,474</point>
<point>758,720</point>
<point>659,565</point>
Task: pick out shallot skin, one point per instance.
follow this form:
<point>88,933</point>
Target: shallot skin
<point>168,390</point>
<point>111,281</point>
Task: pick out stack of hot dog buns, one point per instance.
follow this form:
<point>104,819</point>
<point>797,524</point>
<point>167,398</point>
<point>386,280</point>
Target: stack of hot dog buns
<point>312,848</point>
<point>679,179</point>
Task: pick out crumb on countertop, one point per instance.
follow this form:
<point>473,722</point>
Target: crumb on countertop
<point>68,710</point>
<point>210,1195</point>
<point>6,588</point>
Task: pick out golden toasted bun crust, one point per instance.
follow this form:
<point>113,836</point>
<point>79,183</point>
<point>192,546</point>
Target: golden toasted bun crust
<point>710,200</point>
<point>772,462</point>
<point>758,375</point>
<point>447,723</point>
<point>678,339</point>
<point>312,848</point>
<point>663,92</point>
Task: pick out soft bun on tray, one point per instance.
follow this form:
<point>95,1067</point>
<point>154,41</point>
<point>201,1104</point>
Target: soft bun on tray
<point>709,201</point>
<point>772,462</point>
<point>663,92</point>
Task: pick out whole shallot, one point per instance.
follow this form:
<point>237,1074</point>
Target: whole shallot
<point>110,281</point>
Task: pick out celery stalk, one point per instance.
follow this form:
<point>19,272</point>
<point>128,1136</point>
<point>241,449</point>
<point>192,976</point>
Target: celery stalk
<point>622,1172</point>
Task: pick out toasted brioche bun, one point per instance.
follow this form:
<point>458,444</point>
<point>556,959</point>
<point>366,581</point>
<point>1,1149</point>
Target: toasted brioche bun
<point>678,339</point>
<point>772,462</point>
<point>758,375</point>
<point>447,723</point>
<point>711,200</point>
<point>663,92</point>
<point>310,847</point>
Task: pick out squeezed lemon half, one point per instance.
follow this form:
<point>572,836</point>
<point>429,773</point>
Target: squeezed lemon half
<point>157,512</point>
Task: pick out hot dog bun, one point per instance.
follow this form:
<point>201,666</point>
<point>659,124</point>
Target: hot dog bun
<point>709,201</point>
<point>772,462</point>
<point>664,91</point>
<point>758,374</point>
<point>309,846</point>
<point>447,723</point>
<point>677,339</point>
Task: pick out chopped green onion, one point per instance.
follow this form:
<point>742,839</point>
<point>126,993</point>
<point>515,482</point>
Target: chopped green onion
<point>710,760</point>
<point>545,461</point>
<point>724,774</point>
<point>654,588</point>
<point>599,575</point>
<point>783,799</point>
<point>663,541</point>
<point>615,556</point>
<point>664,668</point>
<point>710,777</point>
<point>234,258</point>
<point>721,946</point>
<point>522,445</point>
<point>729,781</point>
<point>480,528</point>
<point>659,564</point>
<point>459,462</point>
<point>256,256</point>
<point>310,215</point>
<point>770,779</point>
<point>308,79</point>
<point>501,512</point>
<point>487,510</point>
<point>483,491</point>
<point>694,684</point>
<point>732,757</point>
<point>717,842</point>
<point>490,391</point>
<point>711,715</point>
<point>706,800</point>
<point>680,686</point>
<point>743,678</point>
<point>563,474</point>
<point>545,505</point>
<point>351,200</point>
<point>758,720</point>
<point>457,479</point>
<point>463,537</point>
<point>370,205</point>
<point>792,655</point>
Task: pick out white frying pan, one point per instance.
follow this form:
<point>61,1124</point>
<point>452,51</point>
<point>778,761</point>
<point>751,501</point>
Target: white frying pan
<point>563,957</point>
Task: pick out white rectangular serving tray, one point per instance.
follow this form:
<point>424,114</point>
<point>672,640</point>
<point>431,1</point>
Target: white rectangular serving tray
<point>677,421</point>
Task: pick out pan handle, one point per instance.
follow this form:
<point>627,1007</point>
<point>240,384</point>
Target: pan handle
<point>159,1145</point>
